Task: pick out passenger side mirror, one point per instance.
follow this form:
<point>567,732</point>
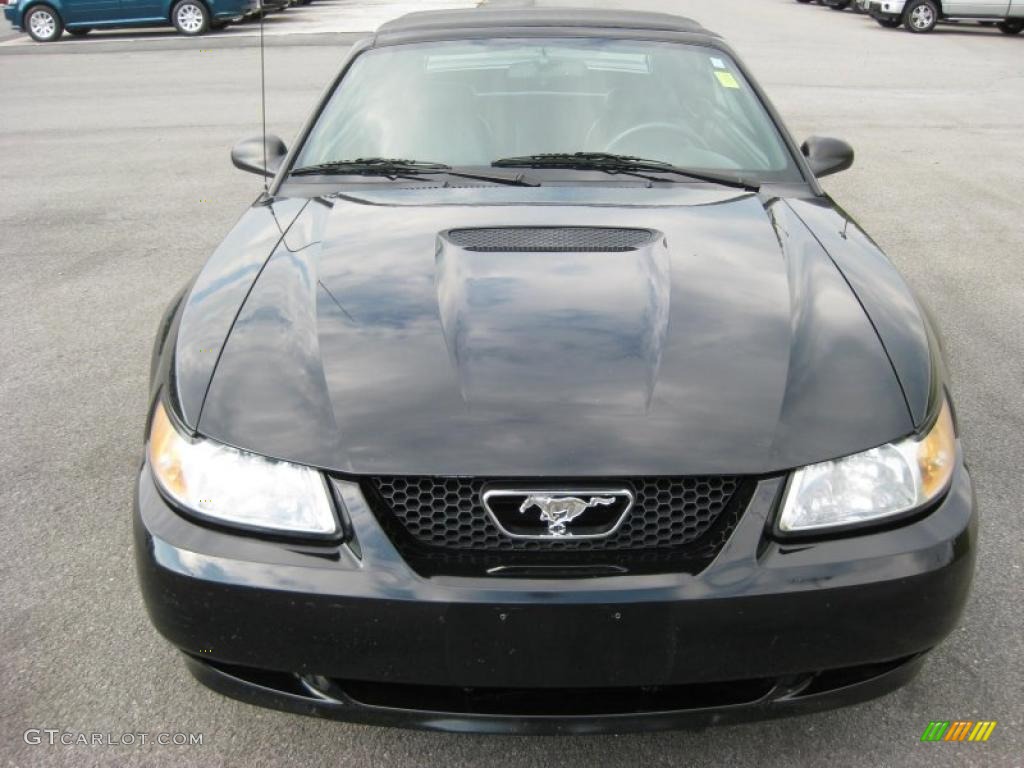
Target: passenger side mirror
<point>249,155</point>
<point>827,156</point>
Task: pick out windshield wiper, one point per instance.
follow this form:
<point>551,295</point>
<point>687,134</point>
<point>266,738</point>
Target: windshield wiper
<point>369,166</point>
<point>611,163</point>
<point>394,168</point>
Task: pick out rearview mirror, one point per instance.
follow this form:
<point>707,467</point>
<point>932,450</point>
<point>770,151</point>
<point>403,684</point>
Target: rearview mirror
<point>251,154</point>
<point>827,156</point>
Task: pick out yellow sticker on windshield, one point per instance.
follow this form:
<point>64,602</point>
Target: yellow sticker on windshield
<point>727,79</point>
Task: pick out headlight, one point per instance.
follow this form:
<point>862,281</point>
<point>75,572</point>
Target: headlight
<point>234,487</point>
<point>874,485</point>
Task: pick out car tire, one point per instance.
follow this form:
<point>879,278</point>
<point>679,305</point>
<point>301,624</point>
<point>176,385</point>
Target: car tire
<point>80,31</point>
<point>190,17</point>
<point>1011,27</point>
<point>920,16</point>
<point>842,5</point>
<point>43,24</point>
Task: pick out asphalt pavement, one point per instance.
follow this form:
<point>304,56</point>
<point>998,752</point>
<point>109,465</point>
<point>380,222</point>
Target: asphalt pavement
<point>116,185</point>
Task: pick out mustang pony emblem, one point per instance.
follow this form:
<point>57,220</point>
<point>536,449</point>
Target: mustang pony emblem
<point>557,511</point>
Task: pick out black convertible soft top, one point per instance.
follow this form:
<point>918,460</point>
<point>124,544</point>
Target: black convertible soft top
<point>429,23</point>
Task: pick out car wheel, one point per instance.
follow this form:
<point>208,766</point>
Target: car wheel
<point>43,24</point>
<point>842,5</point>
<point>1011,27</point>
<point>190,17</point>
<point>80,31</point>
<point>920,16</point>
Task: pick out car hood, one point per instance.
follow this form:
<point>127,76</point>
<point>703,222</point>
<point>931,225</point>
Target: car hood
<point>383,338</point>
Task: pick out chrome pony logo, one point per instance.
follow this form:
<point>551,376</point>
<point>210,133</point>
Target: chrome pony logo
<point>551,514</point>
<point>559,511</point>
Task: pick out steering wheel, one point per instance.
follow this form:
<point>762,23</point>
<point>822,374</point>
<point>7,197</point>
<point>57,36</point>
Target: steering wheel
<point>675,131</point>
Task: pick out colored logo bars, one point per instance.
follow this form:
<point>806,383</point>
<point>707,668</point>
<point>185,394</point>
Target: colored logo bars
<point>958,730</point>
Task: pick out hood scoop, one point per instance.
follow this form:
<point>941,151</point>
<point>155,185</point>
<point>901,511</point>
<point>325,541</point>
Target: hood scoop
<point>522,307</point>
<point>551,239</point>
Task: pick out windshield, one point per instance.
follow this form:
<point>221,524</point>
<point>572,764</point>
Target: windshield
<point>473,102</point>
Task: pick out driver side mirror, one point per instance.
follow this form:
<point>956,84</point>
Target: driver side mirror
<point>827,156</point>
<point>250,154</point>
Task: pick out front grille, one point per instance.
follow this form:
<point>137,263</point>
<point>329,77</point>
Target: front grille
<point>551,239</point>
<point>441,520</point>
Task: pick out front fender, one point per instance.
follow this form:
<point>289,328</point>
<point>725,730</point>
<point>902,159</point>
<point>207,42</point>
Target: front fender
<point>209,309</point>
<point>168,321</point>
<point>899,318</point>
<point>23,6</point>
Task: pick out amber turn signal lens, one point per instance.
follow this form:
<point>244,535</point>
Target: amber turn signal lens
<point>936,455</point>
<point>165,453</point>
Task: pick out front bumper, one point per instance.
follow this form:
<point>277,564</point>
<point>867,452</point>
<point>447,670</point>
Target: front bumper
<point>886,9</point>
<point>767,629</point>
<point>11,15</point>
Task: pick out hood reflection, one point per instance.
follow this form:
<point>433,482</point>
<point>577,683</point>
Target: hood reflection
<point>722,347</point>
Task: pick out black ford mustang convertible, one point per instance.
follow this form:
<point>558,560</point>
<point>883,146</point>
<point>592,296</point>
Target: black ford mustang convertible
<point>545,390</point>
